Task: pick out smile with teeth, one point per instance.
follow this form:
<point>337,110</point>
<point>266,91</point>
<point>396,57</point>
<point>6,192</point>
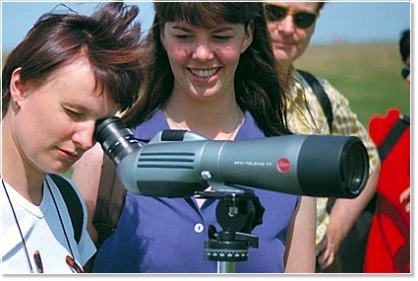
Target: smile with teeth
<point>206,73</point>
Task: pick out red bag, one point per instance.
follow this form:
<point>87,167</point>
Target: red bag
<point>388,248</point>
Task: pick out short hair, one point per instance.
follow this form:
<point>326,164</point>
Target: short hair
<point>110,40</point>
<point>404,45</point>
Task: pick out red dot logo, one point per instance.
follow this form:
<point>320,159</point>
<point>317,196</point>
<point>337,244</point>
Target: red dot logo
<point>283,165</point>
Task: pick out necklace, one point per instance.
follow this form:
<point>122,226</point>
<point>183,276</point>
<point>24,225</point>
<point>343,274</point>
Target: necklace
<point>37,255</point>
<point>234,131</point>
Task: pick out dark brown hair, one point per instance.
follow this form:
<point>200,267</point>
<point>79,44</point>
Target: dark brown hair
<point>110,39</point>
<point>257,87</point>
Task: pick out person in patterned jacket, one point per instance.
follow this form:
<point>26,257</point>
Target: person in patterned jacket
<point>341,232</point>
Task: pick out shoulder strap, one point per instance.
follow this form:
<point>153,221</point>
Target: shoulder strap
<point>110,200</point>
<point>321,95</point>
<point>394,134</point>
<point>72,201</point>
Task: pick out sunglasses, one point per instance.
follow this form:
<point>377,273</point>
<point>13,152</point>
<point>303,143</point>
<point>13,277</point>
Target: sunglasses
<point>405,71</point>
<point>302,19</point>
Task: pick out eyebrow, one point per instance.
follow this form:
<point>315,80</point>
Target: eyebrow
<point>76,106</point>
<point>181,28</point>
<point>222,29</point>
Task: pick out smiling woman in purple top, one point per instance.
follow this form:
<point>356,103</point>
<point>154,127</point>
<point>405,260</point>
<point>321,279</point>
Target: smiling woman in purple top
<point>210,70</point>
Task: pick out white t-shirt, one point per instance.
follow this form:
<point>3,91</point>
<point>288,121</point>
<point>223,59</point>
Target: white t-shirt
<point>42,231</point>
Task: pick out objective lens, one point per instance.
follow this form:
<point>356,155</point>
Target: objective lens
<point>332,166</point>
<point>354,171</point>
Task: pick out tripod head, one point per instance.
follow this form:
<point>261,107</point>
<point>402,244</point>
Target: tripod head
<point>238,213</point>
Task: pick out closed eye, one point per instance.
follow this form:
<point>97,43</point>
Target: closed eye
<point>73,114</point>
<point>183,37</point>
<point>222,38</point>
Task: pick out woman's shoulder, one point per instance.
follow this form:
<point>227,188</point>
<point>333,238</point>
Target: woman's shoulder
<point>249,129</point>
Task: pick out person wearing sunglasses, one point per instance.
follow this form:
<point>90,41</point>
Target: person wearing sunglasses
<point>389,246</point>
<point>404,48</point>
<point>291,26</point>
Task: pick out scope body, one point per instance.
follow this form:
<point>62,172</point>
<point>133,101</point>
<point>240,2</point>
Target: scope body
<point>181,163</point>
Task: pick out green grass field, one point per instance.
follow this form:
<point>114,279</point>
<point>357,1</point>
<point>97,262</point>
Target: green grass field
<point>368,75</point>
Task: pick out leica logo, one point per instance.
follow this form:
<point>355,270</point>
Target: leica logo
<point>283,165</point>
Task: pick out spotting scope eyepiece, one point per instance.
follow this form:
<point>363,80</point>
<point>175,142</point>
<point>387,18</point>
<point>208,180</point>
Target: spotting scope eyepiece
<point>181,163</point>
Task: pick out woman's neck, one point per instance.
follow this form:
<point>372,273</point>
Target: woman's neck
<point>17,172</point>
<point>213,119</point>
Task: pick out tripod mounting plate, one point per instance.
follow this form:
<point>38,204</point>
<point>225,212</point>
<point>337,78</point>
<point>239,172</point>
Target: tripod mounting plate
<point>236,214</point>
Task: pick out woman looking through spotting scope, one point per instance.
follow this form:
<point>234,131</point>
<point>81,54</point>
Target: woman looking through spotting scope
<point>69,71</point>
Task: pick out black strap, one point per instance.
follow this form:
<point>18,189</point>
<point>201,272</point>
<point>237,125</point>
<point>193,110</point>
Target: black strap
<point>321,96</point>
<point>110,201</point>
<point>386,146</point>
<point>72,201</point>
<point>392,138</point>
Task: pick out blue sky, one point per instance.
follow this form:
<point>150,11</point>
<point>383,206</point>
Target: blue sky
<point>340,21</point>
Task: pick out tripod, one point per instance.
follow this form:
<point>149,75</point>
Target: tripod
<point>238,214</point>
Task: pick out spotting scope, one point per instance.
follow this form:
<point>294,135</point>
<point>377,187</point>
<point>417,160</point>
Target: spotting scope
<point>178,164</point>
